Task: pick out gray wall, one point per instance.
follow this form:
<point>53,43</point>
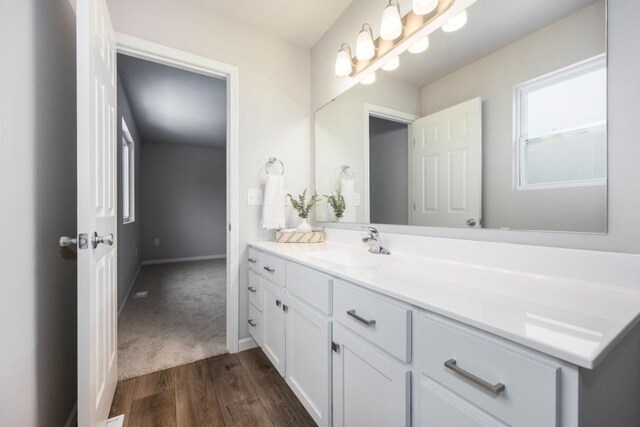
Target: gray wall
<point>38,187</point>
<point>129,235</point>
<point>183,200</point>
<point>570,40</point>
<point>388,171</point>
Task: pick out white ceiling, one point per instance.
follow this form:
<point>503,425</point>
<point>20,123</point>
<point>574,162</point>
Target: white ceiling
<point>174,106</point>
<point>493,24</point>
<point>300,22</point>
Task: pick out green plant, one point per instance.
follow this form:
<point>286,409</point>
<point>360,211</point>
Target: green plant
<point>301,204</point>
<point>336,201</point>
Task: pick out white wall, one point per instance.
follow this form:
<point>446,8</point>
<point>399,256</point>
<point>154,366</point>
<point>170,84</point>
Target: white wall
<point>183,200</point>
<point>38,187</point>
<point>572,39</point>
<point>623,103</point>
<point>274,95</point>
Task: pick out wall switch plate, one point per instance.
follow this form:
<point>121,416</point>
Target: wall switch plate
<point>254,197</point>
<point>357,197</point>
<point>156,242</point>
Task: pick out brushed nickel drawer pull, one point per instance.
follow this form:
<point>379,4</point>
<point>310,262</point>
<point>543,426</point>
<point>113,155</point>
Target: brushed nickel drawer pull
<point>361,319</point>
<point>269,269</point>
<point>252,289</point>
<point>252,323</point>
<point>496,389</point>
<point>252,260</point>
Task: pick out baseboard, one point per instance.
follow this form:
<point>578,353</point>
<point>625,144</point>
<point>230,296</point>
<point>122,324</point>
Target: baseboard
<point>246,344</point>
<point>126,297</point>
<point>72,421</point>
<point>187,259</point>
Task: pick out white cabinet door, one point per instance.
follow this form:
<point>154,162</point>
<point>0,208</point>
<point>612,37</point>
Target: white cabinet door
<point>447,167</point>
<point>440,407</point>
<point>369,387</point>
<point>308,359</point>
<point>274,325</point>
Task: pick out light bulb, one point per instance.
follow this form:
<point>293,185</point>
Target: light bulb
<point>391,26</point>
<point>422,7</point>
<point>365,49</point>
<point>344,65</point>
<point>455,23</point>
<point>369,78</point>
<point>391,64</point>
<point>420,46</point>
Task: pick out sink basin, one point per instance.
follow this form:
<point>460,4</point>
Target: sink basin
<point>350,257</point>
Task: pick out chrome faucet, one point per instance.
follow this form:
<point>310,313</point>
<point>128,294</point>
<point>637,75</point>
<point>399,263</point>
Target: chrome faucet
<point>374,241</point>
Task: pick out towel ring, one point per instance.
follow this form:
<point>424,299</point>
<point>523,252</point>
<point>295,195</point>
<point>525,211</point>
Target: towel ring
<point>346,172</point>
<point>271,162</point>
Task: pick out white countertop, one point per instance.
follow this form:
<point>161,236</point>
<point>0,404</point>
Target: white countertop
<point>577,322</point>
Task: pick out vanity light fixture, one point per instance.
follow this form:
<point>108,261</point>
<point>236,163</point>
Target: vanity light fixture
<point>455,23</point>
<point>369,79</point>
<point>420,46</point>
<point>422,7</point>
<point>365,49</point>
<point>344,63</point>
<point>392,64</point>
<point>391,26</point>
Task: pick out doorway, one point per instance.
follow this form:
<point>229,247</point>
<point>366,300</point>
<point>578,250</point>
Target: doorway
<point>177,284</point>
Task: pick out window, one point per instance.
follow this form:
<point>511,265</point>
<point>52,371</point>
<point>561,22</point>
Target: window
<point>561,127</point>
<point>128,175</point>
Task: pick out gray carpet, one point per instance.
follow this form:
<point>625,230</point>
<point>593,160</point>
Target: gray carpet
<point>182,320</point>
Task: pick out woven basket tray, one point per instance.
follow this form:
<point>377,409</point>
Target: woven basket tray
<point>291,236</point>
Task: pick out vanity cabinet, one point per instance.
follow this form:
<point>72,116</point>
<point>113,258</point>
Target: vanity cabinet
<point>370,388</point>
<point>356,357</point>
<point>274,325</point>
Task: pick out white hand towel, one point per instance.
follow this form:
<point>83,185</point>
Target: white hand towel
<point>273,203</point>
<point>348,190</point>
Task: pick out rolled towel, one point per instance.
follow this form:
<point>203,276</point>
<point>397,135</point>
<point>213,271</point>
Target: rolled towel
<point>348,190</point>
<point>273,215</point>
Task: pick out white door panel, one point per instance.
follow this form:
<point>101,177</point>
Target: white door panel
<point>273,315</point>
<point>97,212</point>
<point>447,167</point>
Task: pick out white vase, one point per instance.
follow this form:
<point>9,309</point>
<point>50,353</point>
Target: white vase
<point>304,227</point>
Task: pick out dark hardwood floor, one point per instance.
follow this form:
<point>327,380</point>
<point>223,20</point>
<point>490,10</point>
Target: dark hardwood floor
<point>242,389</point>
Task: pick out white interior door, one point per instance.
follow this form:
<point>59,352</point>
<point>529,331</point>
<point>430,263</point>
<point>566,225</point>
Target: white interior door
<point>447,167</point>
<point>97,268</point>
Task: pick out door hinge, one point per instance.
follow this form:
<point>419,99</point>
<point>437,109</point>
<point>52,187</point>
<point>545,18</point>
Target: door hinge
<point>335,347</point>
<point>229,226</point>
<point>414,206</point>
<point>414,142</point>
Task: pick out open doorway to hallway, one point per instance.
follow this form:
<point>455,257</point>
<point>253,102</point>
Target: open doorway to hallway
<point>172,228</point>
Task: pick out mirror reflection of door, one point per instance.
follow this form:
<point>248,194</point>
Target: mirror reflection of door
<point>447,167</point>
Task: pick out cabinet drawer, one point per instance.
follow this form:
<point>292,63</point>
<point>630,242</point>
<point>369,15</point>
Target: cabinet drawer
<point>256,328</point>
<point>255,290</point>
<point>273,269</point>
<point>310,286</point>
<point>254,260</point>
<point>531,385</point>
<point>376,318</point>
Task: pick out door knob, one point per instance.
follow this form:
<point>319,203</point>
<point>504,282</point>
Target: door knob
<point>471,222</point>
<point>105,240</point>
<point>66,241</point>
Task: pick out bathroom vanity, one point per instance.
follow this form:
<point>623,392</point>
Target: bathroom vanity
<point>400,340</point>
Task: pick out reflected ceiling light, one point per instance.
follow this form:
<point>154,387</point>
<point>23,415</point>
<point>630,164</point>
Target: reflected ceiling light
<point>369,78</point>
<point>422,7</point>
<point>391,64</point>
<point>365,49</point>
<point>455,23</point>
<point>391,26</point>
<point>344,64</point>
<point>420,46</point>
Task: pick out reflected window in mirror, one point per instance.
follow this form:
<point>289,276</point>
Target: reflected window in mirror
<point>561,127</point>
